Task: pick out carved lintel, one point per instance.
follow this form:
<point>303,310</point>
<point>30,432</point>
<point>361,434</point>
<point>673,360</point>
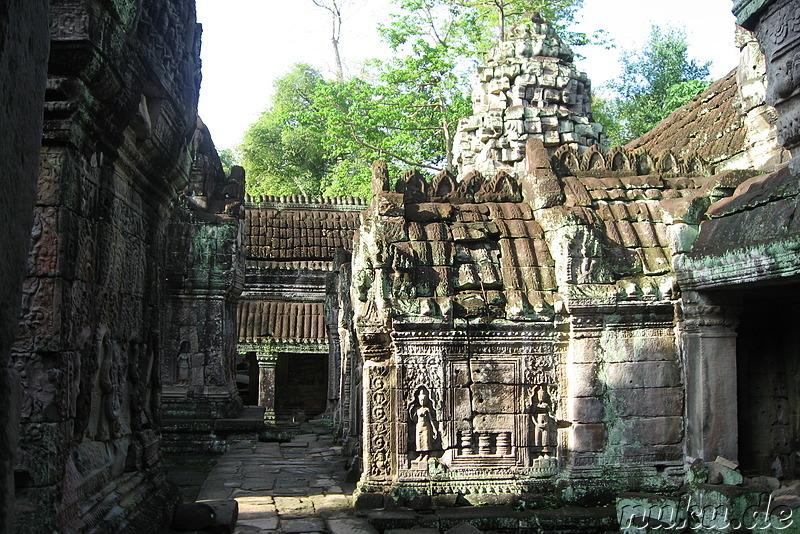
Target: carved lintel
<point>701,313</point>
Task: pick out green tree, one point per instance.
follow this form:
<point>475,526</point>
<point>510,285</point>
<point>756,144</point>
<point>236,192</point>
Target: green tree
<point>321,136</point>
<point>504,14</point>
<point>283,152</point>
<point>228,158</point>
<point>435,45</point>
<point>654,83</point>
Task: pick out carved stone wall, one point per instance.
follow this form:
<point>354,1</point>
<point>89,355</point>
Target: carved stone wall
<point>118,119</point>
<point>519,331</point>
<point>205,276</point>
<point>778,32</point>
<point>746,245</point>
<point>24,40</point>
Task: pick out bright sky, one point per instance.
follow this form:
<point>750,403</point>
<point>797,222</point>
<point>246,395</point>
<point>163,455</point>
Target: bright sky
<point>247,44</point>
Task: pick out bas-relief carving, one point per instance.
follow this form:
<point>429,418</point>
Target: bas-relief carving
<point>379,435</point>
<point>542,423</point>
<point>183,365</point>
<point>424,421</point>
<point>778,33</point>
<point>87,343</point>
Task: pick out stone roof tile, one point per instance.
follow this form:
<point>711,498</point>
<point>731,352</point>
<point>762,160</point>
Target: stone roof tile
<point>710,126</point>
<point>297,234</point>
<point>282,321</point>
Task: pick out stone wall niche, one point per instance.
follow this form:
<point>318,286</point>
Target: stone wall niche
<point>767,359</point>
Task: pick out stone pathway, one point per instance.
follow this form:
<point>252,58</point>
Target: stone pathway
<point>292,487</point>
<point>298,487</point>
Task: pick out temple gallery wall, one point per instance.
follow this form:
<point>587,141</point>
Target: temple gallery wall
<point>556,324</point>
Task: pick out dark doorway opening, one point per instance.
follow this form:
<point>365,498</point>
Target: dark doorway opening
<point>301,386</point>
<point>247,378</point>
<point>768,383</point>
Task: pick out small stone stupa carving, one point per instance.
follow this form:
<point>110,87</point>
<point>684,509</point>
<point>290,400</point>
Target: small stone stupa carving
<point>528,88</point>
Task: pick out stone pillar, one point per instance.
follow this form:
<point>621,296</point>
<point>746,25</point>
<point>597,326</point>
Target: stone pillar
<point>334,370</point>
<point>584,391</point>
<point>708,343</point>
<point>380,385</point>
<point>267,361</point>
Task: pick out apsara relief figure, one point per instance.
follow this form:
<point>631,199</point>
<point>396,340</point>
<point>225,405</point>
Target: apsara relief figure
<point>425,424</point>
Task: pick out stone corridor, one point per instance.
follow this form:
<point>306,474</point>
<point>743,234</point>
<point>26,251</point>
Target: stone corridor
<point>298,486</point>
<point>294,486</point>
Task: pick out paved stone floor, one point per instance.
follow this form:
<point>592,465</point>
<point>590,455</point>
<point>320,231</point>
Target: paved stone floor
<point>292,487</point>
<point>298,487</point>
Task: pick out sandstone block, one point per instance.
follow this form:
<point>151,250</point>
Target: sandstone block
<point>652,402</point>
<point>642,374</point>
<point>654,431</point>
<point>582,380</point>
<point>586,409</point>
<point>587,437</point>
<point>720,473</point>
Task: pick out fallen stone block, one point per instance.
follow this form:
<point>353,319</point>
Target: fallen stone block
<point>721,474</point>
<point>226,514</point>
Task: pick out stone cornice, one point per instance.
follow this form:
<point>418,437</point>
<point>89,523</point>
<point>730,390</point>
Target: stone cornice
<point>764,262</point>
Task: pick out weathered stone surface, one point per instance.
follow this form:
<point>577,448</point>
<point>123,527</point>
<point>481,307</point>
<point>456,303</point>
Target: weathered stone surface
<point>122,98</point>
<point>529,90</point>
<point>24,41</point>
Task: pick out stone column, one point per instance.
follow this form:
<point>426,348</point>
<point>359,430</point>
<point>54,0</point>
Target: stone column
<point>708,343</point>
<point>380,386</point>
<point>267,359</point>
<point>583,390</point>
<point>334,371</point>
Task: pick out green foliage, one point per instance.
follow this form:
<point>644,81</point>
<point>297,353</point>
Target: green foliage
<point>501,15</point>
<point>283,152</point>
<point>320,137</point>
<point>654,83</point>
<point>228,159</point>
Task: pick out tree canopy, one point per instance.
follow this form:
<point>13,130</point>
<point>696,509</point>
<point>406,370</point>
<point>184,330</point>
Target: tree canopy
<point>319,137</point>
<point>655,82</point>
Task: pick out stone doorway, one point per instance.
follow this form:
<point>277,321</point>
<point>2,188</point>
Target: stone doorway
<point>768,370</point>
<point>301,386</point>
<point>247,377</point>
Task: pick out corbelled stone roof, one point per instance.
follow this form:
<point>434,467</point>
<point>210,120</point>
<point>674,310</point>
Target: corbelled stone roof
<point>711,126</point>
<point>299,229</point>
<point>281,321</point>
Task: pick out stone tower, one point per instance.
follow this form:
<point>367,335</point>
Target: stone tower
<point>529,88</point>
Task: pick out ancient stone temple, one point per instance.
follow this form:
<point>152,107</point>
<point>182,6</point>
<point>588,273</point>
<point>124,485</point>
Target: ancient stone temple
<point>528,89</point>
<point>555,324</point>
<point>288,342</point>
<point>544,329</point>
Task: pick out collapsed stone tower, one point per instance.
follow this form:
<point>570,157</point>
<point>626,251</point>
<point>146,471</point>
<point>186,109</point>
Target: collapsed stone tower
<point>529,88</point>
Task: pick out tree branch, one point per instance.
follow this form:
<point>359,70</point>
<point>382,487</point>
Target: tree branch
<point>390,154</point>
